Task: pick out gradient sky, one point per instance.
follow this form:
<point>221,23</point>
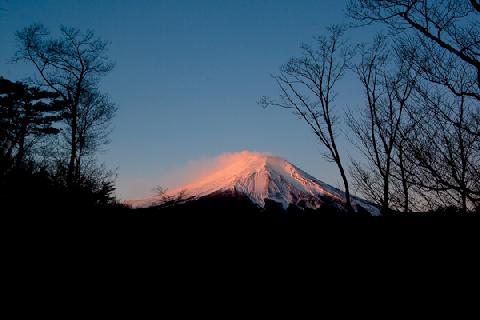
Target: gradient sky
<point>187,77</point>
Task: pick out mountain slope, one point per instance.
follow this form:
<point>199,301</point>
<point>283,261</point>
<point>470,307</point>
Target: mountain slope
<point>260,177</point>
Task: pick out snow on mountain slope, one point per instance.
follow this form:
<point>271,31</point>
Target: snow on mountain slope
<point>261,176</point>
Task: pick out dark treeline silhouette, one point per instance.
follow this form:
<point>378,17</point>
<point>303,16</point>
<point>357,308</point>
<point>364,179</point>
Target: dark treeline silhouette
<point>52,128</point>
<point>419,130</point>
<point>33,175</point>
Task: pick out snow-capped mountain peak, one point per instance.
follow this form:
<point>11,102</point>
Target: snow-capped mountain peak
<point>261,176</point>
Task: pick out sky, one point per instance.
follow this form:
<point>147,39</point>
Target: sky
<point>188,76</point>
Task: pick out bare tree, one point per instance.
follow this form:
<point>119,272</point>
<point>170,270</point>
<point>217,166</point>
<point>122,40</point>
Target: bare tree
<point>446,157</point>
<point>440,41</point>
<point>307,86</point>
<point>404,170</point>
<point>388,86</point>
<point>71,65</point>
<point>94,125</point>
<point>451,25</point>
<point>442,72</point>
<point>169,200</point>
<point>440,38</point>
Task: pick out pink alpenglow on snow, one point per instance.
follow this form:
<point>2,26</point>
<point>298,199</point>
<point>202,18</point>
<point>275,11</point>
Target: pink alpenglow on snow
<point>260,176</point>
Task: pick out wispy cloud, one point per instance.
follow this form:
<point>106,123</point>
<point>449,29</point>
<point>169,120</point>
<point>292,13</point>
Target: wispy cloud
<point>184,174</point>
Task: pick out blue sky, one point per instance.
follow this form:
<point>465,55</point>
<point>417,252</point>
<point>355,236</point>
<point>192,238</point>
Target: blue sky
<point>188,75</point>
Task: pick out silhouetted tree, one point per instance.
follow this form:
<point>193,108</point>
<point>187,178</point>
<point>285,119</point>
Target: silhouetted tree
<point>440,143</point>
<point>307,86</point>
<point>71,65</point>
<point>25,112</point>
<point>449,25</point>
<point>168,200</point>
<point>94,125</point>
<point>388,85</point>
<point>445,157</point>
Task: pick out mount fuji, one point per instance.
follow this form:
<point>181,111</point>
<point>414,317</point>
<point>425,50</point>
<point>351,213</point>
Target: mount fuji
<point>261,177</point>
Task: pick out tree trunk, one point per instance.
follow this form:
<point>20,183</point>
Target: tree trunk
<point>21,141</point>
<point>464,202</point>
<point>348,201</point>
<point>463,158</point>
<point>72,174</point>
<point>73,148</point>
<point>21,148</point>
<point>386,200</point>
<point>386,189</point>
<point>404,181</point>
<point>77,165</point>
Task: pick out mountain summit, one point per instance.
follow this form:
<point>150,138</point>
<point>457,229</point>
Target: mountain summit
<point>262,177</point>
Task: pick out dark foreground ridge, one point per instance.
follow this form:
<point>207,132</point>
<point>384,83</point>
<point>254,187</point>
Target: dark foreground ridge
<point>205,235</point>
<point>233,216</point>
<point>38,210</point>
